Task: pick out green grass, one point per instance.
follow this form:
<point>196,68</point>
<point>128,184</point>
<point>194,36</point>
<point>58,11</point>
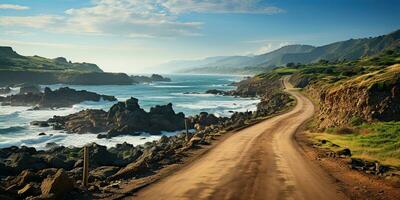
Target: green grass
<point>378,141</point>
<point>285,70</point>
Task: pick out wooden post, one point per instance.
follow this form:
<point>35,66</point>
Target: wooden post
<point>85,166</point>
<point>187,129</point>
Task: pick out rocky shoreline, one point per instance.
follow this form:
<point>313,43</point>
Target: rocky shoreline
<point>27,172</point>
<point>57,173</point>
<point>62,97</point>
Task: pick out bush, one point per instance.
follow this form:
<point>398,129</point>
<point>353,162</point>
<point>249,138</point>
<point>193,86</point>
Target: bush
<point>356,121</point>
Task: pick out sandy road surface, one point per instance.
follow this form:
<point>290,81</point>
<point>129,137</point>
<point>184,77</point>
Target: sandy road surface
<point>259,162</point>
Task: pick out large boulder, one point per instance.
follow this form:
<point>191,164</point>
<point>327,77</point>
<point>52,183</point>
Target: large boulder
<point>23,160</point>
<point>128,118</point>
<point>85,121</point>
<point>25,89</point>
<point>104,172</point>
<point>5,90</point>
<point>59,185</point>
<point>99,156</point>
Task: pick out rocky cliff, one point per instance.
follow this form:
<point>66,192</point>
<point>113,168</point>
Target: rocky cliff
<point>368,97</point>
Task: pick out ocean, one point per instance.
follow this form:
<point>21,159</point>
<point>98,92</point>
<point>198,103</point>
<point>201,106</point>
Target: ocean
<point>185,92</point>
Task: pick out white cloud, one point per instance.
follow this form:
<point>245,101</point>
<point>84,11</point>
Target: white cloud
<point>268,47</point>
<point>220,6</point>
<point>40,21</point>
<point>137,18</point>
<point>13,7</point>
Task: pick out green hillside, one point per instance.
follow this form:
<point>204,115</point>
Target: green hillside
<point>12,61</point>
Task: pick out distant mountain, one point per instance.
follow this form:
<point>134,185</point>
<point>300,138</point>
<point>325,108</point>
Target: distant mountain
<point>352,49</point>
<point>11,60</point>
<point>248,64</point>
<point>178,65</point>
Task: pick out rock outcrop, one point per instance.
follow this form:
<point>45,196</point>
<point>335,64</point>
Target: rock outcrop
<point>59,185</point>
<point>123,118</point>
<point>62,97</point>
<point>25,89</point>
<point>152,78</point>
<point>5,90</point>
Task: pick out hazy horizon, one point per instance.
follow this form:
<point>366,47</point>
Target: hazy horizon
<point>132,36</point>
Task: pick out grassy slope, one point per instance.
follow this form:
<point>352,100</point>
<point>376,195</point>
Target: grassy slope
<point>11,61</point>
<point>376,142</point>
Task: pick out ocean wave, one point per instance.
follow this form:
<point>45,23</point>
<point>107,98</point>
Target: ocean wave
<point>12,129</point>
<point>9,116</point>
<point>32,141</point>
<point>172,86</point>
<point>237,104</point>
<point>192,94</point>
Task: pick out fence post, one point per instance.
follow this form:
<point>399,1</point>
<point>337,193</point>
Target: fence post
<point>85,166</point>
<point>187,129</point>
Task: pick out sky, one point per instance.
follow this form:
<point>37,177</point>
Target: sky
<point>132,36</point>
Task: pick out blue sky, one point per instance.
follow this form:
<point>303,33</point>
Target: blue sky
<point>133,35</point>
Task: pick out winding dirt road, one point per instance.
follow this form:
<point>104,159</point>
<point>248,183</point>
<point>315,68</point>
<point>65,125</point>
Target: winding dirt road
<point>259,162</point>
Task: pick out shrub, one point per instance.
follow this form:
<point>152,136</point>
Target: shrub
<point>356,121</point>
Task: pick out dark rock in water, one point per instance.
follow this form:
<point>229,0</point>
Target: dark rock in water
<point>34,108</point>
<point>40,123</point>
<point>25,89</point>
<point>5,90</point>
<point>59,185</point>
<point>65,97</point>
<point>157,77</point>
<point>40,134</point>
<point>152,78</point>
<point>191,93</point>
<point>28,99</point>
<point>86,121</point>
<point>217,92</point>
<point>62,97</point>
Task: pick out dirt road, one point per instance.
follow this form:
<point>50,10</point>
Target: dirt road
<point>259,162</point>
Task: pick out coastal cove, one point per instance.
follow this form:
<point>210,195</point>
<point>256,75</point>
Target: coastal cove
<point>185,92</point>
